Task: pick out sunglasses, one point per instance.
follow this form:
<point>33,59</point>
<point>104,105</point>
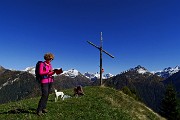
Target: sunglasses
<point>51,58</point>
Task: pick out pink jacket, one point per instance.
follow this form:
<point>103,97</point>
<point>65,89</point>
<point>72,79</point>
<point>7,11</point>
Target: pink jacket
<point>47,71</point>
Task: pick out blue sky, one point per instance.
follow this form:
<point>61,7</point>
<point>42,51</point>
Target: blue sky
<point>136,32</point>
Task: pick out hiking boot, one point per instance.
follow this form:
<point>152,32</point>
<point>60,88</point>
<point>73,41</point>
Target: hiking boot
<point>44,110</point>
<point>39,113</point>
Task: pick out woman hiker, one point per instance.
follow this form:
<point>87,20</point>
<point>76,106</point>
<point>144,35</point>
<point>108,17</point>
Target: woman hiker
<point>46,71</point>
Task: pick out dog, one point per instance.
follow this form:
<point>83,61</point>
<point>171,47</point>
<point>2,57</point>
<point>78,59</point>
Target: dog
<point>57,94</point>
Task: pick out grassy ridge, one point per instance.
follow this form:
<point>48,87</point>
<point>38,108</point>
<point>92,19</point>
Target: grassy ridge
<point>98,103</point>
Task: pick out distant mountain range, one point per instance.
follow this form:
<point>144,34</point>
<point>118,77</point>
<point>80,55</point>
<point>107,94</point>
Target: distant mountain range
<point>165,73</point>
<point>73,73</point>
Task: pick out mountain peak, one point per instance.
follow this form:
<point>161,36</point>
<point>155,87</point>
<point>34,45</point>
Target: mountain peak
<point>2,68</point>
<point>30,70</point>
<point>177,67</point>
<point>167,72</point>
<point>94,76</point>
<point>139,69</point>
<point>71,73</point>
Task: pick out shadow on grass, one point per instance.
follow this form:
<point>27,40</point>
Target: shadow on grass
<point>20,111</point>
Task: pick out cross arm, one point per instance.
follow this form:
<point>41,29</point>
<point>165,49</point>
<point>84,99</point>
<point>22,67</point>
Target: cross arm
<point>93,44</point>
<point>108,53</point>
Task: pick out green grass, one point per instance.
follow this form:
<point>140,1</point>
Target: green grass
<point>98,103</point>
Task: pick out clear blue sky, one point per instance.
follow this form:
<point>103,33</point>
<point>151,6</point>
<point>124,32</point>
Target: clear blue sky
<point>136,32</point>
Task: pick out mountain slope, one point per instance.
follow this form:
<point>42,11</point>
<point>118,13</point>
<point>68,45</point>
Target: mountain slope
<point>147,86</point>
<point>2,69</point>
<point>17,85</point>
<point>64,82</point>
<point>98,103</point>
<point>175,80</point>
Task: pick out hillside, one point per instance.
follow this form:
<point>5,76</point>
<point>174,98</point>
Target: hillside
<point>98,103</point>
<point>17,85</point>
<point>175,80</point>
<point>147,86</point>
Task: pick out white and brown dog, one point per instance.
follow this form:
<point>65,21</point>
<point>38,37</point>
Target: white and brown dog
<point>57,94</point>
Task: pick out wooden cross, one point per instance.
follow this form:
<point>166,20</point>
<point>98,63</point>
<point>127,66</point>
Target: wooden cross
<point>101,50</point>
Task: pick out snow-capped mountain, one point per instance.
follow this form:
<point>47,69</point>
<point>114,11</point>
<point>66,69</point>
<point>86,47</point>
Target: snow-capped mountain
<point>139,69</point>
<point>108,75</point>
<point>94,76</point>
<point>73,73</point>
<point>30,70</point>
<point>70,73</point>
<point>167,72</point>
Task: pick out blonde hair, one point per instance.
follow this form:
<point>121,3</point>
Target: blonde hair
<point>48,56</point>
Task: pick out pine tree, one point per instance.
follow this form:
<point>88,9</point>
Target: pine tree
<point>169,106</point>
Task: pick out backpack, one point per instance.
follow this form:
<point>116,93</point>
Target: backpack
<point>38,76</point>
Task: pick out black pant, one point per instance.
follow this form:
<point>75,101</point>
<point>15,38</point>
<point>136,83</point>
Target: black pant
<point>45,89</point>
